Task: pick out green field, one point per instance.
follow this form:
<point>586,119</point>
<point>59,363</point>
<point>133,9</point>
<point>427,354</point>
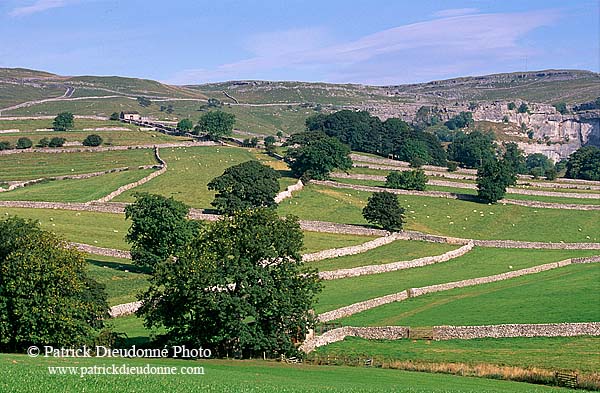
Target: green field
<point>191,169</point>
<point>568,294</point>
<point>97,229</point>
<point>75,190</point>
<point>25,166</point>
<point>451,217</point>
<point>552,353</point>
<point>399,250</point>
<point>479,262</point>
<point>122,279</point>
<point>238,376</point>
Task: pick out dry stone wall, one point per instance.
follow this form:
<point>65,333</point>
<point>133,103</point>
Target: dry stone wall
<point>369,333</point>
<point>288,191</point>
<point>390,267</point>
<point>106,148</point>
<point>455,332</point>
<point>124,309</point>
<point>516,330</point>
<point>351,250</point>
<point>108,252</point>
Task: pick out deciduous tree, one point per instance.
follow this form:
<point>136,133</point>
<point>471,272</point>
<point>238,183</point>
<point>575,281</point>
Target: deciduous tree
<point>383,209</point>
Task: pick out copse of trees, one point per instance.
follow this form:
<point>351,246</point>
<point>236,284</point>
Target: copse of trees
<point>159,229</point>
<point>46,296</point>
<point>240,288</point>
<point>216,124</point>
<point>63,121</point>
<point>539,165</point>
<point>369,134</point>
<point>473,149</point>
<point>244,186</point>
<point>584,164</point>
<point>407,180</point>
<point>462,120</point>
<point>317,156</point>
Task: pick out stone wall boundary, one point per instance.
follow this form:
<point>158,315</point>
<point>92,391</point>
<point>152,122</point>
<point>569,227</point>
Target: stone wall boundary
<point>351,250</point>
<point>107,252</point>
<point>124,309</point>
<point>414,292</point>
<point>441,333</point>
<point>390,267</point>
<point>287,193</point>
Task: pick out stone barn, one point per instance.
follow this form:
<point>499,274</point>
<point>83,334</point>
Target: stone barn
<point>131,116</point>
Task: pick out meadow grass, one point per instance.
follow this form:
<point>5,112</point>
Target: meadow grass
<point>190,169</point>
<point>318,241</point>
<point>123,280</point>
<point>479,262</point>
<point>553,353</point>
<point>451,217</point>
<point>568,294</point>
<point>25,166</point>
<point>238,376</point>
<point>399,250</point>
<point>96,229</point>
<point>75,190</point>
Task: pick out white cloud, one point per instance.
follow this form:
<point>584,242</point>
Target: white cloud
<point>449,13</point>
<point>37,6</point>
<point>454,43</point>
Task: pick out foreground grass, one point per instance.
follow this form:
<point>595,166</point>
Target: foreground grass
<point>478,262</point>
<point>568,294</point>
<point>75,190</point>
<point>123,280</point>
<point>237,376</point>
<point>452,217</point>
<point>317,241</point>
<point>399,250</point>
<point>97,229</point>
<point>25,166</point>
<point>554,353</point>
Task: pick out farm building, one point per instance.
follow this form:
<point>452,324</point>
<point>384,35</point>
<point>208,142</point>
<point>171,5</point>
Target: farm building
<point>131,116</point>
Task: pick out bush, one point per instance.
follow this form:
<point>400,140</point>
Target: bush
<point>57,142</point>
<point>407,180</point>
<point>452,166</point>
<point>5,145</point>
<point>44,142</point>
<point>561,108</point>
<point>24,143</point>
<point>92,140</point>
<point>523,108</point>
<point>511,106</point>
<point>185,125</point>
<point>115,116</point>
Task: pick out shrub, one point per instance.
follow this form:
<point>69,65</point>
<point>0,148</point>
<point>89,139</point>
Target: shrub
<point>24,143</point>
<point>5,145</point>
<point>92,140</point>
<point>115,116</point>
<point>523,108</point>
<point>511,106</point>
<point>63,121</point>
<point>57,142</point>
<point>44,142</point>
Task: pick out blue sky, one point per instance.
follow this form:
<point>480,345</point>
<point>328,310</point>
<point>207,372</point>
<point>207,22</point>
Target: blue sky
<point>372,42</point>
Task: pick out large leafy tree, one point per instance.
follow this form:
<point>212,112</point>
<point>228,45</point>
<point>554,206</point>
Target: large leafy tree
<point>473,149</point>
<point>318,157</point>
<point>493,177</point>
<point>240,289</point>
<point>584,164</point>
<point>215,124</point>
<point>63,121</point>
<point>46,297</point>
<point>514,157</point>
<point>383,209</point>
<point>159,228</point>
<point>246,185</point>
